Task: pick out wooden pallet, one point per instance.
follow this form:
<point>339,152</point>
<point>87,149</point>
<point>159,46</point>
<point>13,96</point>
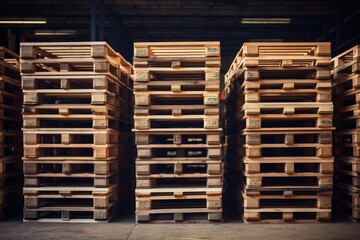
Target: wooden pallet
<point>288,137</point>
<point>68,111</point>
<point>71,121</point>
<point>72,136</point>
<point>348,61</point>
<point>349,195</point>
<point>280,61</point>
<point>176,138</point>
<point>9,85</point>
<point>173,198</point>
<point>269,202</point>
<point>76,149</point>
<point>7,54</point>
<point>347,149</point>
<point>74,129</point>
<point>10,135</point>
<point>70,158</point>
<point>351,136</point>
<point>70,143</point>
<point>71,96</point>
<point>69,190</point>
<point>174,74</point>
<point>347,177</point>
<point>182,201</point>
<point>305,96</point>
<point>176,50</point>
<point>9,64</point>
<point>346,93</point>
<point>179,167</point>
<point>347,123</point>
<point>347,106</point>
<point>305,179</point>
<point>70,179</point>
<point>282,215</point>
<point>294,166</point>
<point>176,123</point>
<point>70,52</point>
<point>178,86</point>
<point>286,192</point>
<point>192,215</point>
<point>275,109</point>
<point>347,210</point>
<point>164,151</point>
<point>350,164</point>
<point>103,81</point>
<point>180,110</point>
<point>343,84</point>
<point>282,92</point>
<point>177,63</point>
<point>73,214</point>
<point>99,167</point>
<point>255,74</point>
<point>280,55</point>
<point>172,180</point>
<point>347,201</point>
<point>97,200</point>
<point>182,99</point>
<point>71,109</point>
<point>285,85</point>
<point>284,150</point>
<point>81,66</point>
<point>348,113</point>
<point>281,122</point>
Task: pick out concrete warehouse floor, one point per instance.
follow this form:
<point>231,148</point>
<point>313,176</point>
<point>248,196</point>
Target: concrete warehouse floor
<point>127,229</point>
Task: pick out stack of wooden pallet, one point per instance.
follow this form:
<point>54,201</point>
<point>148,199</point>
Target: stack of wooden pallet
<point>346,84</point>
<point>76,126</point>
<point>283,130</point>
<point>179,164</point>
<point>10,134</point>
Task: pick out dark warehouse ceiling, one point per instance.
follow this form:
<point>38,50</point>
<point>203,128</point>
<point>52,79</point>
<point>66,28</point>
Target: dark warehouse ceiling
<point>126,21</point>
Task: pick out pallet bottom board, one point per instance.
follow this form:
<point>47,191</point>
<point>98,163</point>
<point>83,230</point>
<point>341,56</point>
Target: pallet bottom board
<point>279,221</point>
<point>54,220</point>
<point>270,202</point>
<point>172,217</point>
<point>282,215</point>
<point>70,214</point>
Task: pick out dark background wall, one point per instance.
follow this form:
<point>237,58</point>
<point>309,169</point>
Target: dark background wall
<point>121,22</point>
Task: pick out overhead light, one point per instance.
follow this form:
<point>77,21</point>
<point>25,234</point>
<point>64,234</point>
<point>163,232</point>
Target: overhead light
<point>23,21</point>
<point>54,32</point>
<point>265,40</point>
<point>265,21</point>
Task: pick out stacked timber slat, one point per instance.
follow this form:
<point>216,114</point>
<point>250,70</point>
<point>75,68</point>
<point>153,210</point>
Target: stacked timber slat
<point>279,126</point>
<point>76,130</point>
<point>346,84</point>
<point>10,134</point>
<point>179,165</point>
